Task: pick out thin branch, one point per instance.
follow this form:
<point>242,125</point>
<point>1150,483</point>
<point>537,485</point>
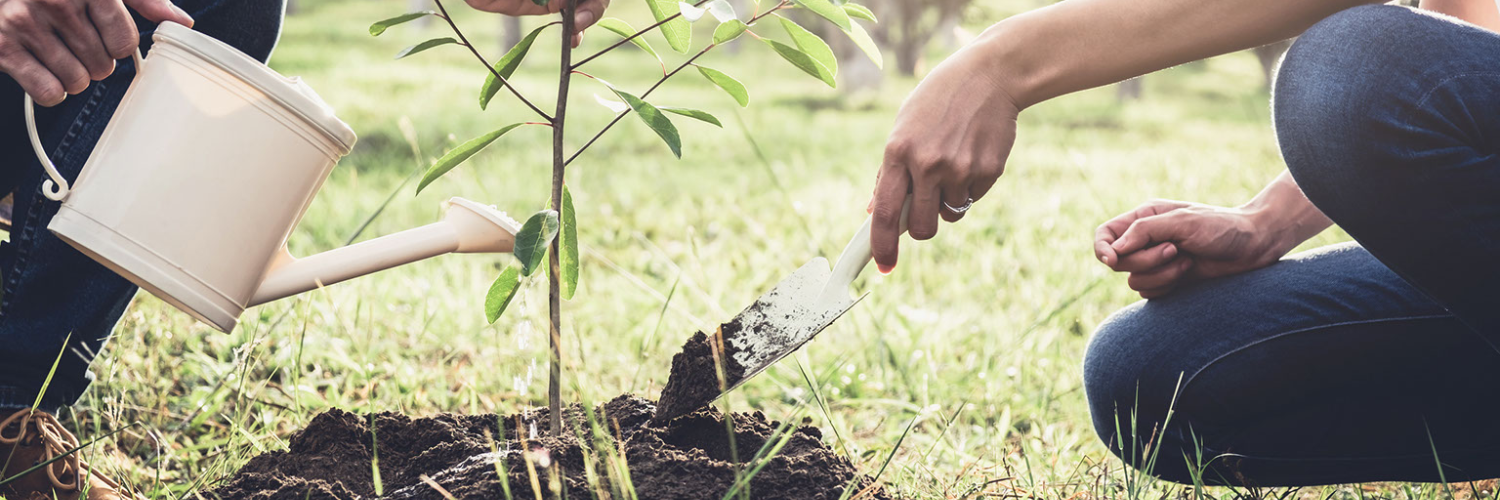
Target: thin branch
<point>643,97</point>
<point>486,63</point>
<point>636,35</point>
<point>659,83</point>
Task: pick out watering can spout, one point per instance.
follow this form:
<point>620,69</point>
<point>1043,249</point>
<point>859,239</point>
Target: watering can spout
<point>468,227</point>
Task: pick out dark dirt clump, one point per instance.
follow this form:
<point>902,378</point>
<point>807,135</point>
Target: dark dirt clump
<point>688,458</point>
<point>694,380</point>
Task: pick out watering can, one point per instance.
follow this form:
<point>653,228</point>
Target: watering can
<point>208,164</point>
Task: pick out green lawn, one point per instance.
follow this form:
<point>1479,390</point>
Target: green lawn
<point>978,334</point>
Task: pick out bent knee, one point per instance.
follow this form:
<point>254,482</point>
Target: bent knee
<point>1338,102</point>
<point>1344,90</point>
<point>1128,386</point>
<point>1131,390</point>
<point>1334,74</point>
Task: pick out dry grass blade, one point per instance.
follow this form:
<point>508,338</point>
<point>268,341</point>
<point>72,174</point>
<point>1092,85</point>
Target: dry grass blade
<point>435,486</point>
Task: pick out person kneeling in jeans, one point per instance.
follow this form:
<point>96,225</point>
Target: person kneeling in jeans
<point>1374,360</point>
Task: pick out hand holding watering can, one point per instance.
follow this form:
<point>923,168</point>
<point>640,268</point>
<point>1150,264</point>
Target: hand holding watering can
<point>53,48</point>
<point>209,237</point>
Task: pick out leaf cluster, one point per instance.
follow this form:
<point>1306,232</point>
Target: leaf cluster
<point>674,22</point>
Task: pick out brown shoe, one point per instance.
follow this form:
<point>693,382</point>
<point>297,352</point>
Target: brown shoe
<point>28,438</point>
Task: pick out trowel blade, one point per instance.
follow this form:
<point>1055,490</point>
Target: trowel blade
<point>783,320</point>
<point>777,324</point>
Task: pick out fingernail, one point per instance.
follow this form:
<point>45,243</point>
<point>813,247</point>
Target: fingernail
<point>1170,251</point>
<point>583,19</point>
<point>1104,259</point>
<point>184,14</point>
<point>884,269</point>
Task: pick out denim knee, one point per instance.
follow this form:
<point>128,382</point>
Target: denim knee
<point>1355,98</point>
<point>1326,92</point>
<point>1131,389</point>
<point>1119,358</point>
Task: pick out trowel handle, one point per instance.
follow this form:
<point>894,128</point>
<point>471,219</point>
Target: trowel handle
<point>55,189</point>
<point>857,255</point>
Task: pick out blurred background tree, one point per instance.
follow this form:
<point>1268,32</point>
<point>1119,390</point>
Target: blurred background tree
<point>914,34</point>
<point>909,25</point>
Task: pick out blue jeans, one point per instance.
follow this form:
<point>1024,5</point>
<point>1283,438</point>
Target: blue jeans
<point>1358,362</point>
<point>52,293</point>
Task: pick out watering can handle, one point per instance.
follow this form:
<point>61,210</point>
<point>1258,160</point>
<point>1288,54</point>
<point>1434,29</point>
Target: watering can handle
<point>56,188</point>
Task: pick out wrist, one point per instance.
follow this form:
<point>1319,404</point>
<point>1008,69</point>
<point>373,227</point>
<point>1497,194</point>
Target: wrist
<point>1285,215</point>
<point>998,55</point>
<point>1270,223</point>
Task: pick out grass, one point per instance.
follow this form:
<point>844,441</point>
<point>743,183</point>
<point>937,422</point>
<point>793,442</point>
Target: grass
<point>957,378</point>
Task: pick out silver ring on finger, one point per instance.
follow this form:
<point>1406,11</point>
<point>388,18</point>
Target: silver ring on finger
<point>959,210</point>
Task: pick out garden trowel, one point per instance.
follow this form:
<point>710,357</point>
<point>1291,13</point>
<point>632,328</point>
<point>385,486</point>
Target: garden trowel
<point>776,325</point>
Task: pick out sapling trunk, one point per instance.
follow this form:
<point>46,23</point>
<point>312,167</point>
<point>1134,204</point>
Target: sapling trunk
<point>559,166</point>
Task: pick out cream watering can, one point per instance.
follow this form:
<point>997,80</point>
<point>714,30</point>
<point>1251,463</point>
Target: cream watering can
<point>208,164</point>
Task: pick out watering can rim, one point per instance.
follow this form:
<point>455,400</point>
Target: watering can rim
<point>290,92</point>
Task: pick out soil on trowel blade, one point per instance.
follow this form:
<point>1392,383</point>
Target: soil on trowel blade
<point>688,458</point>
<point>694,380</point>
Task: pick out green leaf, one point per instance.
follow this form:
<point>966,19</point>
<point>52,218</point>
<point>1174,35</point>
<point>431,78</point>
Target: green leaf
<point>694,114</point>
<point>811,45</point>
<point>568,257</point>
<point>624,29</point>
<point>803,62</point>
<point>380,26</point>
<point>861,12</point>
<point>733,87</point>
<point>729,30</point>
<point>501,293</point>
<point>863,40</point>
<point>461,154</point>
<point>533,238</point>
<point>654,119</point>
<point>678,32</point>
<point>829,11</point>
<point>436,42</point>
<point>506,66</point>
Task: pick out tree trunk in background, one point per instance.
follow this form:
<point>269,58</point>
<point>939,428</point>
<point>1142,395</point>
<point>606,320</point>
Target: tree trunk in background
<point>1130,90</point>
<point>420,5</point>
<point>856,71</point>
<point>1270,58</point>
<point>908,55</point>
<point>511,32</point>
<point>907,26</point>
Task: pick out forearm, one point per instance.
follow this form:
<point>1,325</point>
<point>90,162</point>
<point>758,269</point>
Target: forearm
<point>1081,44</point>
<point>1285,214</point>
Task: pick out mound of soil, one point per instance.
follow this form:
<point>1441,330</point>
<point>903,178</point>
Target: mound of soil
<point>687,458</point>
<point>694,379</point>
